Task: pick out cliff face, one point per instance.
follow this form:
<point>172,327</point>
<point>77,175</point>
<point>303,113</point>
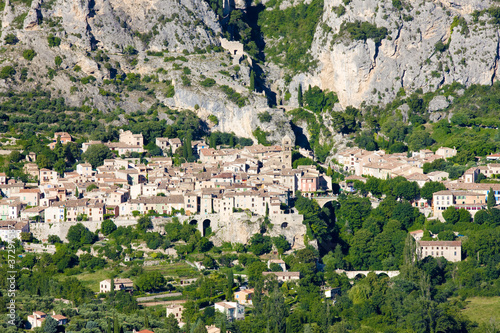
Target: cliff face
<point>361,71</point>
<point>428,44</point>
<point>103,40</point>
<point>112,25</point>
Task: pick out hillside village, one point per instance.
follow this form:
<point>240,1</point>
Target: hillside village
<point>222,184</point>
<point>224,187</point>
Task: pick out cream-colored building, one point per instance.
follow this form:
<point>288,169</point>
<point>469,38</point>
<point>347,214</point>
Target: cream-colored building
<point>131,139</point>
<point>120,284</point>
<point>446,152</point>
<point>471,201</point>
<point>176,310</point>
<point>450,250</point>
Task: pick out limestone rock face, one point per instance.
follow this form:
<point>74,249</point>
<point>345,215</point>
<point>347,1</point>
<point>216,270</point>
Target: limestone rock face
<point>360,71</point>
<point>106,39</point>
<point>438,103</point>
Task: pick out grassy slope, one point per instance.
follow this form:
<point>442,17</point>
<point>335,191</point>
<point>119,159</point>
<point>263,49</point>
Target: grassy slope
<point>482,309</point>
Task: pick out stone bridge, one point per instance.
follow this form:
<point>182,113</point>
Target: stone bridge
<point>324,200</point>
<point>353,274</point>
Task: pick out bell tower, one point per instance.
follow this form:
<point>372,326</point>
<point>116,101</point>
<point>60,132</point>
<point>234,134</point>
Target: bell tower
<point>286,157</point>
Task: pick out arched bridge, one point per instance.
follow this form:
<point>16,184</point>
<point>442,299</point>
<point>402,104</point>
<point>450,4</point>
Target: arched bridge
<point>323,200</point>
<point>353,274</point>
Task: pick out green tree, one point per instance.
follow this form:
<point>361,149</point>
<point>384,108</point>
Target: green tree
<point>53,41</point>
<point>446,235</point>
<point>200,328</point>
<point>144,223</point>
<point>430,188</point>
<point>481,217</point>
<point>171,324</point>
<point>491,201</point>
<point>260,244</point>
<point>281,244</point>
<point>7,72</point>
<point>252,80</point>
<point>116,325</point>
<point>79,235</point>
<point>96,154</point>
<point>29,54</point>
<point>230,283</point>
<point>107,227</point>
<point>50,325</point>
<point>300,98</point>
<point>465,216</point>
<point>58,61</point>
<point>11,39</point>
<point>277,311</point>
<point>60,167</point>
<point>52,239</point>
<point>150,281</point>
<point>451,215</point>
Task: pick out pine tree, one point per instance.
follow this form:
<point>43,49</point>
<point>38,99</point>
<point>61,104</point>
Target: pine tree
<point>299,96</point>
<point>252,80</point>
<point>491,199</point>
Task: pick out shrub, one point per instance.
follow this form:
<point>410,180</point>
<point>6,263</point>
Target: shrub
<point>364,30</point>
<point>29,54</point>
<point>58,61</point>
<point>264,117</point>
<point>7,72</point>
<point>53,41</point>
<point>208,82</point>
<point>87,79</point>
<point>129,50</point>
<point>440,46</point>
<point>11,39</point>
<point>213,119</point>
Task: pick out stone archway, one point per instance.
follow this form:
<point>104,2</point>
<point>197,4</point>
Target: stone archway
<point>206,227</point>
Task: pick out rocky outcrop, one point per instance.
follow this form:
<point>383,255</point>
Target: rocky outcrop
<point>360,71</point>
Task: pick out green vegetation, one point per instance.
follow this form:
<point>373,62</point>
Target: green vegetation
<point>53,41</point>
<point>234,96</point>
<point>363,31</point>
<point>213,119</point>
<point>7,72</point>
<point>261,137</point>
<point>290,42</point>
<point>29,54</point>
<point>10,39</point>
<point>264,117</point>
<point>208,82</point>
<point>482,309</point>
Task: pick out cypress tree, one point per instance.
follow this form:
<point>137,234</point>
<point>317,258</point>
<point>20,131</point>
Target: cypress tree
<point>491,199</point>
<point>252,80</point>
<point>116,326</point>
<point>299,96</point>
<point>230,283</point>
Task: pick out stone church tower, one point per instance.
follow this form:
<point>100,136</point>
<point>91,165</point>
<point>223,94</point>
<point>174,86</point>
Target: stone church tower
<point>286,157</point>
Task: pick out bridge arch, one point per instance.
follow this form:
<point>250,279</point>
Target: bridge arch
<point>193,222</point>
<point>206,227</point>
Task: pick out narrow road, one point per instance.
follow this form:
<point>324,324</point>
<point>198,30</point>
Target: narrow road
<point>150,298</point>
<point>181,301</point>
